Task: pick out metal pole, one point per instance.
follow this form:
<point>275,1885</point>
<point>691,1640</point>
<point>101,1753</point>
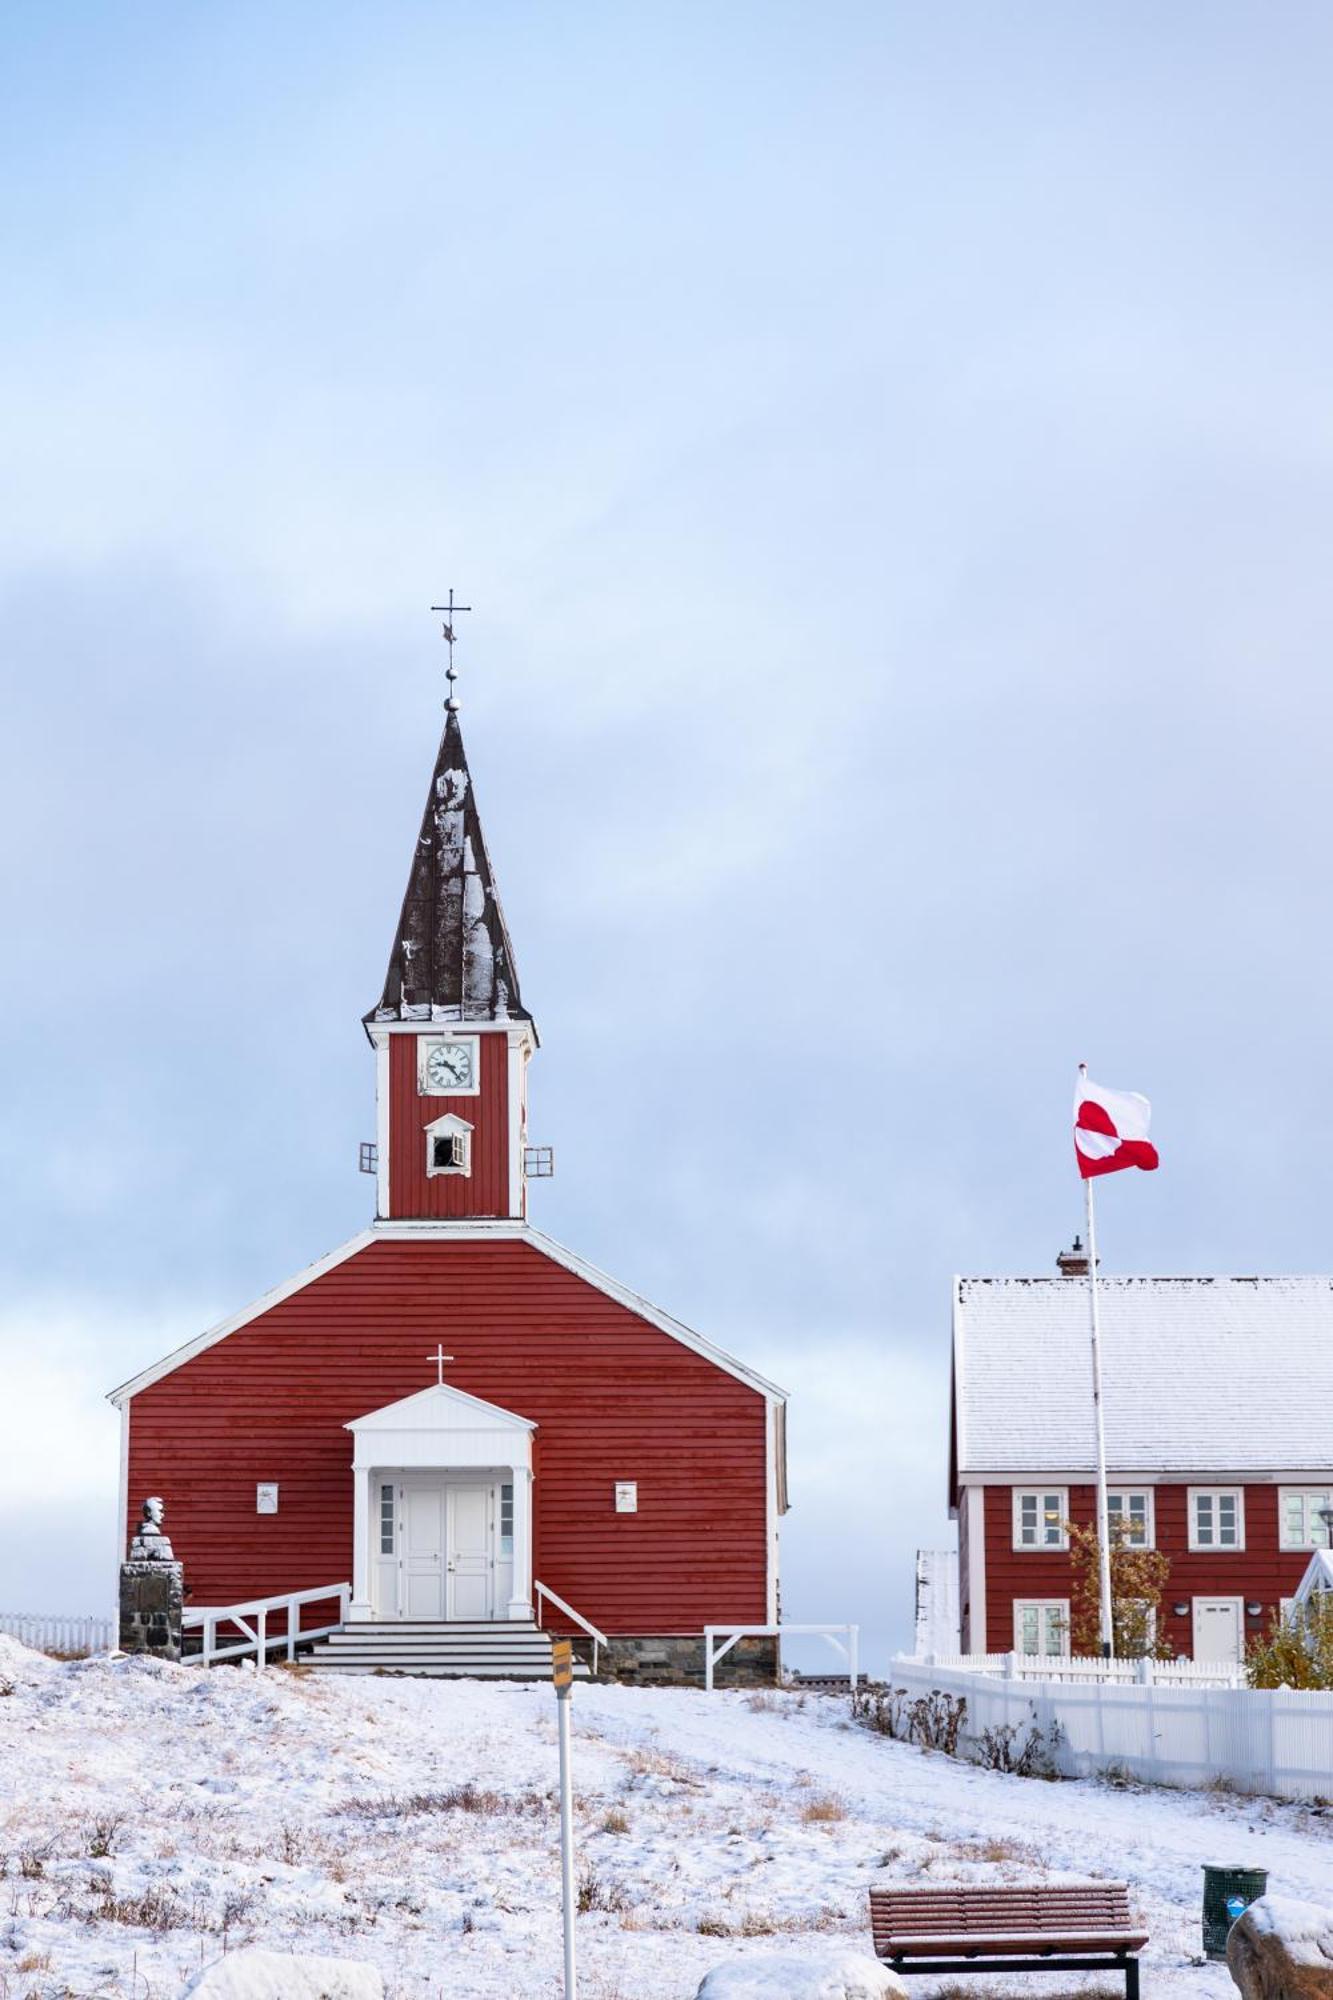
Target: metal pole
<point>563,1696</point>
<point>1103,1511</point>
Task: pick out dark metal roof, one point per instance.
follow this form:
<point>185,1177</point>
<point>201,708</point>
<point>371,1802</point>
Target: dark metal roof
<point>451,958</point>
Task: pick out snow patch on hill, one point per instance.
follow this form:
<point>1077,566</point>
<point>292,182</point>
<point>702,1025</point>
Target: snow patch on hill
<point>152,1816</point>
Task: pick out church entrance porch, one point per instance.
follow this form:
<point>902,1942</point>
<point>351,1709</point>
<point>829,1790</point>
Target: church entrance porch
<point>442,1511</point>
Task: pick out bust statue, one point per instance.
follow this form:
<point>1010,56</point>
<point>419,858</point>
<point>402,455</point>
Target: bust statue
<point>151,1542</point>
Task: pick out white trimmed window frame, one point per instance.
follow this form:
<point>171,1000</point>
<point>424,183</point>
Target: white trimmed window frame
<point>425,1088</point>
<point>1051,1616</point>
<point>1313,1533</point>
<point>1040,1512</point>
<point>451,1126</point>
<point>1215,1545</point>
<point>1125,1494</point>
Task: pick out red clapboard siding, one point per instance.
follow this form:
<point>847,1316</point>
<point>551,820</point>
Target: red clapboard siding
<point>613,1398</point>
<point>1261,1572</point>
<point>448,1197</point>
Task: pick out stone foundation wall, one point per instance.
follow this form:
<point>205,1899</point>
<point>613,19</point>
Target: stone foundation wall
<point>151,1600</point>
<point>678,1661</point>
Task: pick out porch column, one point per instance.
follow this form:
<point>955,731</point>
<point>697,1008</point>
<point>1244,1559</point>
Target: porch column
<point>362,1604</point>
<point>520,1604</point>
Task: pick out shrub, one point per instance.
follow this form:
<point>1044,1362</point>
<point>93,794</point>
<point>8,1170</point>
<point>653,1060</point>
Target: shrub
<point>1297,1653</point>
<point>821,1811</point>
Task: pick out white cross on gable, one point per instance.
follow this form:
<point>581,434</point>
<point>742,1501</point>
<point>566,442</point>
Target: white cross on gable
<point>439,1358</point>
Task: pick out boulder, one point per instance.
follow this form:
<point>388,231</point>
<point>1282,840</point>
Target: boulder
<point>271,1975</point>
<point>1280,1949</point>
<point>843,1975</point>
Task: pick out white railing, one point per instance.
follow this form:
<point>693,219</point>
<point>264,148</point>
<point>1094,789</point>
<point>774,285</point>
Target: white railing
<point>599,1639</point>
<point>257,1609</point>
<point>847,1644</point>
<point>48,1632</point>
<point>1080,1667</point>
<point>1275,1740</point>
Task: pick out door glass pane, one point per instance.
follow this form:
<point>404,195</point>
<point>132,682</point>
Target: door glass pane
<point>386,1520</point>
<point>507,1519</point>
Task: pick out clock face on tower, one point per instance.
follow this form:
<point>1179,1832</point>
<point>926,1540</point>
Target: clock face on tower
<point>448,1066</point>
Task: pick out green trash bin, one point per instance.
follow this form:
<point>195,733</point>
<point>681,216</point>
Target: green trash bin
<point>1226,1892</point>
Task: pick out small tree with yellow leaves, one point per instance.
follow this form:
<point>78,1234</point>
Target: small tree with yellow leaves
<point>1138,1577</point>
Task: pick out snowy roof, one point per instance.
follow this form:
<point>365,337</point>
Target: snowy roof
<point>451,959</point>
<point>1199,1375</point>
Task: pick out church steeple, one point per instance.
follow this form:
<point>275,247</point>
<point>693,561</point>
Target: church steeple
<point>451,958</point>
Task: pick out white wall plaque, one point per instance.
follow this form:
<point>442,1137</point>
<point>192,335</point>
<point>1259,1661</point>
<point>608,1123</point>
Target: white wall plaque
<point>266,1499</point>
<point>627,1496</point>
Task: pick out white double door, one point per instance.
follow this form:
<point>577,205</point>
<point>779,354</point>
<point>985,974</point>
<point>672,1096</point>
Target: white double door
<point>448,1537</point>
<point>1219,1628</point>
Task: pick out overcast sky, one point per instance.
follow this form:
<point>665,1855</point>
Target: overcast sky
<point>889,450</point>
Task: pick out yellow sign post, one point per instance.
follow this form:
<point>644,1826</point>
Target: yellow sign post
<point>562,1674</point>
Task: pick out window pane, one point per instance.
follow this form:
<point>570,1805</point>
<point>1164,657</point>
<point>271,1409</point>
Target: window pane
<point>1055,1630</point>
<point>1318,1530</point>
<point>1053,1525</point>
<point>1226,1519</point>
<point>1027,1517</point>
<point>1028,1629</point>
<point>1203,1518</point>
<point>1293,1525</point>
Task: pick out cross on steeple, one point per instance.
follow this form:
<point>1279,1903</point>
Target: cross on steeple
<point>439,1358</point>
<point>448,628</point>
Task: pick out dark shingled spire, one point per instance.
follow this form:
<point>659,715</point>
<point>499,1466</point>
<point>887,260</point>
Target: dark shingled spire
<point>451,958</point>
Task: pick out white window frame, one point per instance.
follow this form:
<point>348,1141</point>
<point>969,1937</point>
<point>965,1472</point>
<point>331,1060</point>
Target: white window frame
<point>1305,1494</point>
<point>1040,1494</point>
<point>1215,1493</point>
<point>1044,1607</point>
<point>425,1043</point>
<point>451,1126</point>
<point>1144,1493</point>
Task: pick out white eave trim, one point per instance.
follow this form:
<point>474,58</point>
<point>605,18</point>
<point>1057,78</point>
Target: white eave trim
<point>470,1231</point>
<point>180,1355</point>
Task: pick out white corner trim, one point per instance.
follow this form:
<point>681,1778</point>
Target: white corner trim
<point>381,1046</point>
<point>180,1355</point>
<point>976,1569</point>
<point>123,1500</point>
<point>516,1089</point>
<point>771,1599</point>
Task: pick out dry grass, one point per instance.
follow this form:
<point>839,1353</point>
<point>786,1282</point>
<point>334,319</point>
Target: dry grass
<point>823,1811</point>
<point>467,1798</point>
<point>615,1821</point>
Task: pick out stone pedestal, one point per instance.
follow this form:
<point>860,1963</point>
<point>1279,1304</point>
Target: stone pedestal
<point>677,1661</point>
<point>151,1600</point>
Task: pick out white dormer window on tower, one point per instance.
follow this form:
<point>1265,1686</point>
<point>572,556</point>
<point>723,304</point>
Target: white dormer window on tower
<point>449,1145</point>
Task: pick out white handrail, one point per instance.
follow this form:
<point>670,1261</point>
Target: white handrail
<point>256,1639</point>
<point>731,1633</point>
<point>598,1638</point>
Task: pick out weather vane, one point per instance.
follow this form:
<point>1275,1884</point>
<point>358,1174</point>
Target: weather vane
<point>449,610</point>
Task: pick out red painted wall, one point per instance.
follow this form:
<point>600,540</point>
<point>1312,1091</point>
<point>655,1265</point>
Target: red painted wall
<point>612,1396</point>
<point>1261,1572</point>
<point>415,1194</point>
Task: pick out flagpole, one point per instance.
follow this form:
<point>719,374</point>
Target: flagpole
<point>1103,1511</point>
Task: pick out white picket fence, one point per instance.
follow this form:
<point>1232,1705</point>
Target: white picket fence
<point>50,1633</point>
<point>1064,1667</point>
<point>1274,1740</point>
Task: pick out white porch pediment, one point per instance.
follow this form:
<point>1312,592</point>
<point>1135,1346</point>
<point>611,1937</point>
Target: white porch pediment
<point>441,1427</point>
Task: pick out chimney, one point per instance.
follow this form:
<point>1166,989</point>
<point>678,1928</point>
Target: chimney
<point>1073,1263</point>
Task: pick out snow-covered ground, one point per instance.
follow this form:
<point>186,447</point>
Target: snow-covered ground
<point>150,1814</point>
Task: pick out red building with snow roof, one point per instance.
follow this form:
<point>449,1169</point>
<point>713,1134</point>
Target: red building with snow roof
<point>494,1427</point>
<point>1218,1449</point>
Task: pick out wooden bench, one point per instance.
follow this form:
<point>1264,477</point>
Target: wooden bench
<point>1080,1926</point>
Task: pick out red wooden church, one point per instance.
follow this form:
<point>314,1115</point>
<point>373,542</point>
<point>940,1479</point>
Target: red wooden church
<point>492,1423</point>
